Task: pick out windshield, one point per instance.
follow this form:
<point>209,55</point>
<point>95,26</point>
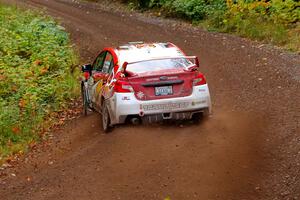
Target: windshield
<point>158,65</point>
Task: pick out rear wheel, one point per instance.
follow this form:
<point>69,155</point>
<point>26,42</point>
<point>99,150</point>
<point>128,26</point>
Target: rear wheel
<point>106,119</point>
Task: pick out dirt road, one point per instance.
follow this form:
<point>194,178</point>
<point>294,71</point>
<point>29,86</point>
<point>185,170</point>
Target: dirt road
<point>248,149</point>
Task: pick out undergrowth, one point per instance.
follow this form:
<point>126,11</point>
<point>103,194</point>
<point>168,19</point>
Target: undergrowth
<point>272,21</point>
<point>36,61</point>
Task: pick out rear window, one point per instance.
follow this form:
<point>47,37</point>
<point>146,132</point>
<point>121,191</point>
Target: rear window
<point>158,65</point>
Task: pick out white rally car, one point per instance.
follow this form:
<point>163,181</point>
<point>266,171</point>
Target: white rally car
<point>145,82</point>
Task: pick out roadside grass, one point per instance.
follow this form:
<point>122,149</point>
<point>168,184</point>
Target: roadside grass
<point>278,34</point>
<point>37,76</point>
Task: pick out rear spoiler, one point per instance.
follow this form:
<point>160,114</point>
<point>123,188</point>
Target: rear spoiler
<point>124,66</point>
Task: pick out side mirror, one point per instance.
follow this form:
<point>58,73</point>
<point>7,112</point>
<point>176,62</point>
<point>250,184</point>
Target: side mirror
<point>86,68</point>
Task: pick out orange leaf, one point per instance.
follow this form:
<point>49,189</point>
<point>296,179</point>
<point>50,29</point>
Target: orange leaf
<point>37,62</point>
<point>15,130</point>
<point>22,103</point>
<point>2,77</point>
<point>14,88</point>
<point>43,71</point>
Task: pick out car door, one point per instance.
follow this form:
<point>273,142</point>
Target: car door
<point>100,76</point>
<point>107,69</point>
<point>97,79</point>
<point>108,90</point>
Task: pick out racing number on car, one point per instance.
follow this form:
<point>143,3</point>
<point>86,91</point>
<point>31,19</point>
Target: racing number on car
<point>98,90</point>
<point>99,86</point>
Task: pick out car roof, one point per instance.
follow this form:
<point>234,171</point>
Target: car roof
<point>138,51</point>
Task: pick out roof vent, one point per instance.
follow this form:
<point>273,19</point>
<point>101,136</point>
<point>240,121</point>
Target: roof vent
<point>169,45</point>
<point>138,42</point>
<point>123,47</point>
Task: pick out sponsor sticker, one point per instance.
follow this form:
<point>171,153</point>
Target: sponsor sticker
<point>168,106</point>
<point>140,94</point>
<point>99,86</point>
<point>194,103</point>
<point>125,98</point>
<point>152,79</point>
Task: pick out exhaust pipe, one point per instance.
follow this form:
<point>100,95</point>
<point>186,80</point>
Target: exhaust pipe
<point>135,121</point>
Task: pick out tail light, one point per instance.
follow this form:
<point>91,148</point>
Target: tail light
<point>123,87</point>
<point>199,80</point>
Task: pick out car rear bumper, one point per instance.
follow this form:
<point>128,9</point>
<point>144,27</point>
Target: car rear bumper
<point>126,104</point>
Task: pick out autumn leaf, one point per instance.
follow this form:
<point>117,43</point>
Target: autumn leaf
<point>2,78</point>
<point>43,70</point>
<point>37,62</point>
<point>15,130</point>
<point>14,88</point>
<point>22,103</point>
<point>32,144</point>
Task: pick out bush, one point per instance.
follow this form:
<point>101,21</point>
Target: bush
<point>275,21</point>
<point>190,9</point>
<point>196,10</point>
<point>35,78</point>
<point>285,12</point>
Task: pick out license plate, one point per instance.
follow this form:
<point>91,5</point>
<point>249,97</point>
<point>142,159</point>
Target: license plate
<point>164,90</point>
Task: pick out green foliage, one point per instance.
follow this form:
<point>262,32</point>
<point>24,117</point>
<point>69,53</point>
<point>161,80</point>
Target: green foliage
<point>275,21</point>
<point>141,4</point>
<point>35,78</point>
<point>285,12</point>
<point>190,9</point>
<point>196,10</point>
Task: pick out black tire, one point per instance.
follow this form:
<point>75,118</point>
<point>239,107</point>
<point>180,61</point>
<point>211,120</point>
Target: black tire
<point>106,126</point>
<point>84,101</point>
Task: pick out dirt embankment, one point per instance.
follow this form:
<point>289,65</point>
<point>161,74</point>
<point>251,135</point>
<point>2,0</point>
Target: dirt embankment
<point>248,149</point>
